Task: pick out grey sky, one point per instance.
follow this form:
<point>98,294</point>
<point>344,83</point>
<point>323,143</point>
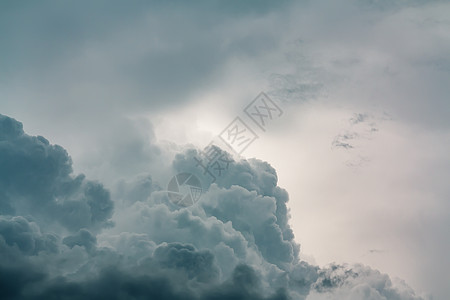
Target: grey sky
<point>124,86</point>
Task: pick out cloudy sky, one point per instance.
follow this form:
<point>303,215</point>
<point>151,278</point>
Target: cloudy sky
<point>343,195</point>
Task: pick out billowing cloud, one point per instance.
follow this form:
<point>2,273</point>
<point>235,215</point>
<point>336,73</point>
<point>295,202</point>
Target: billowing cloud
<point>37,179</point>
<point>96,76</point>
<point>235,243</point>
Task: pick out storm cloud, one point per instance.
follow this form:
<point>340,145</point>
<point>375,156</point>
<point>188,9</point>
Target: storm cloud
<point>36,179</point>
<point>134,90</point>
<point>235,243</point>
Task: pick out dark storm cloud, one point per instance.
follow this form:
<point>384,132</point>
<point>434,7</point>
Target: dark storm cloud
<point>249,187</point>
<point>117,284</point>
<point>82,238</point>
<point>174,271</point>
<point>82,67</point>
<point>235,243</point>
<point>19,233</point>
<point>36,178</point>
<point>170,270</point>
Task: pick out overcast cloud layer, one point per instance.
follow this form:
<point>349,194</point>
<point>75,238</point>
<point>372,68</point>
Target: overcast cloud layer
<point>134,90</point>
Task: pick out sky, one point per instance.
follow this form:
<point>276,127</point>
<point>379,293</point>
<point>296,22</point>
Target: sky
<point>344,193</point>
